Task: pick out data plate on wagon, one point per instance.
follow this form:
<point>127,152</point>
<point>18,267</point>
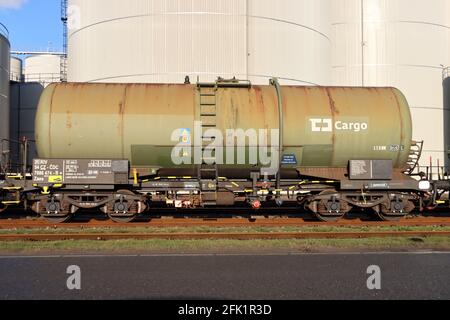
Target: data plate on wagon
<point>80,171</point>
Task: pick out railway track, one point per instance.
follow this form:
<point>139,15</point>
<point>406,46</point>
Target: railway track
<point>57,232</point>
<point>217,236</point>
<point>22,223</point>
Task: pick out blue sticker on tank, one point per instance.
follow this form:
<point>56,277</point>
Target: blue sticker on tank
<point>289,159</point>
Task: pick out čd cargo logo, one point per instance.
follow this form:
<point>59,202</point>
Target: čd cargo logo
<point>328,125</point>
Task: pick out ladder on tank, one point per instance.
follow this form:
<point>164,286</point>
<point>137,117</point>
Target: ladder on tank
<point>414,157</point>
<point>208,169</point>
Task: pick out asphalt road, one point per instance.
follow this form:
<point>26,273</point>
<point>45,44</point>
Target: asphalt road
<point>303,276</point>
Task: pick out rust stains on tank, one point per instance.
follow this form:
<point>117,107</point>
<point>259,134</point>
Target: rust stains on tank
<point>50,113</point>
<point>120,114</point>
<point>260,103</point>
<point>69,120</point>
<point>121,125</point>
<point>334,110</point>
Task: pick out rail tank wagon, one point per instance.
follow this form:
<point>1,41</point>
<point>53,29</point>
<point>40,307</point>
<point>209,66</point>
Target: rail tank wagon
<point>340,148</point>
<point>323,126</point>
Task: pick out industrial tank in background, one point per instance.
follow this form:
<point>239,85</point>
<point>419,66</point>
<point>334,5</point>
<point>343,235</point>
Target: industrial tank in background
<point>400,43</point>
<point>323,126</point>
<point>16,72</point>
<point>4,92</point>
<point>43,68</point>
<point>162,41</point>
<point>289,39</point>
<point>24,100</point>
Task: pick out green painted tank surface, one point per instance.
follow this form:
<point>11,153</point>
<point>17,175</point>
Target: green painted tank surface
<point>323,126</point>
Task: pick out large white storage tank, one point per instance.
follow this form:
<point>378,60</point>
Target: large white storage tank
<point>165,40</point>
<point>43,68</point>
<point>289,39</point>
<point>401,43</point>
<point>4,92</point>
<point>16,71</point>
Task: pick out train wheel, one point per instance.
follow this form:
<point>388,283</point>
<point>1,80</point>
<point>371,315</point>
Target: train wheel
<point>386,213</point>
<point>3,207</point>
<point>329,209</point>
<point>124,208</point>
<point>62,216</point>
<point>54,211</point>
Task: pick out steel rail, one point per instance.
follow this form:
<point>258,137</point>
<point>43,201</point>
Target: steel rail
<point>220,222</point>
<point>218,236</point>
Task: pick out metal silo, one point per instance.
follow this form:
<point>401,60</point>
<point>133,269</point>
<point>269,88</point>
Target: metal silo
<point>16,71</point>
<point>165,40</point>
<point>4,93</point>
<point>43,68</point>
<point>401,43</point>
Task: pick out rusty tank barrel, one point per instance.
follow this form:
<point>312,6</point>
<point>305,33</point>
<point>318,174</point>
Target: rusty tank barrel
<point>322,126</point>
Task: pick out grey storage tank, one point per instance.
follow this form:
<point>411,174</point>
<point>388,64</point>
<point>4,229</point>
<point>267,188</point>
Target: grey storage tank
<point>24,99</point>
<point>4,92</point>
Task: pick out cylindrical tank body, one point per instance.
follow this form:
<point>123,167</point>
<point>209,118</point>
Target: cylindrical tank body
<point>400,43</point>
<point>43,68</point>
<point>162,41</point>
<point>16,71</point>
<point>4,91</point>
<point>323,126</point>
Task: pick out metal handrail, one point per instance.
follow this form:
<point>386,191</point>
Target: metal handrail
<point>15,161</point>
<point>42,77</point>
<point>4,30</point>
<point>433,173</point>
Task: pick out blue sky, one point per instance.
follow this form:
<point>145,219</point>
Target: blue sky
<point>32,24</point>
